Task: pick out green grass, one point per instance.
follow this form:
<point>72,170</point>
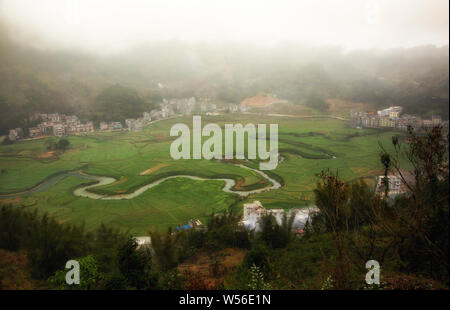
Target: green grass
<point>306,144</point>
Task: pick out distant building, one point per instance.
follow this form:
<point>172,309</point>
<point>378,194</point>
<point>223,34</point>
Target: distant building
<point>138,124</point>
<point>194,223</point>
<point>130,123</point>
<point>254,212</point>
<point>59,131</point>
<point>427,123</point>
<point>134,124</point>
<point>436,120</point>
<point>55,117</point>
<point>34,132</point>
<point>115,126</point>
<point>391,118</point>
<point>13,135</point>
<point>147,117</point>
<point>391,112</point>
<point>233,108</point>
<point>155,114</point>
<point>164,112</point>
<point>386,122</point>
<point>395,185</point>
<point>103,126</point>
<point>85,128</point>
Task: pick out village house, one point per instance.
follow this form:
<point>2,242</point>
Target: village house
<point>392,112</point>
<point>115,126</point>
<point>58,130</point>
<point>146,116</point>
<point>427,123</point>
<point>85,128</point>
<point>34,132</point>
<point>103,126</point>
<point>391,118</point>
<point>233,108</point>
<point>45,128</point>
<point>71,129</point>
<point>15,134</point>
<point>137,124</point>
<point>243,108</point>
<point>436,120</point>
<point>155,114</point>
<point>395,185</point>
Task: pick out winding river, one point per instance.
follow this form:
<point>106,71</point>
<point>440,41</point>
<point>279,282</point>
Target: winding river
<point>83,191</point>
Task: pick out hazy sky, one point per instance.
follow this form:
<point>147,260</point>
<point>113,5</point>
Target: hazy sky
<point>109,25</point>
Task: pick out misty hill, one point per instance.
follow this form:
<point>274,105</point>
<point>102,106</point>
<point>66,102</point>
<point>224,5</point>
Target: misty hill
<point>35,80</point>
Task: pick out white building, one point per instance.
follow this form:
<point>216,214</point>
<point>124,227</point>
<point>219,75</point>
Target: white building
<point>392,112</point>
<point>13,135</point>
<point>103,126</point>
<point>58,130</point>
<point>147,117</point>
<point>395,185</point>
<point>254,212</point>
<point>143,241</point>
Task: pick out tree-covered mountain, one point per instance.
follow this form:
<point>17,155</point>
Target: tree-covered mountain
<point>38,80</point>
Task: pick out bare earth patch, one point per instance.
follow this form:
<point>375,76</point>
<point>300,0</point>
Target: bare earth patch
<point>260,100</point>
<point>47,155</point>
<point>339,106</point>
<point>241,184</point>
<point>10,201</point>
<point>153,169</point>
<point>208,271</point>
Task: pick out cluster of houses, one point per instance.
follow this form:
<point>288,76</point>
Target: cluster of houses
<point>53,124</point>
<point>183,106</point>
<point>104,126</point>
<point>392,118</point>
<point>235,108</point>
<point>189,106</point>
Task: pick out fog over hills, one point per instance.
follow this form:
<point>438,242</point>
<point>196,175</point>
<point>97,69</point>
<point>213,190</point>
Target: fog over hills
<point>105,26</point>
<point>49,62</point>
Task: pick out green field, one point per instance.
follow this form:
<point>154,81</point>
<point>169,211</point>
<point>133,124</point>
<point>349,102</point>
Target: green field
<point>307,146</point>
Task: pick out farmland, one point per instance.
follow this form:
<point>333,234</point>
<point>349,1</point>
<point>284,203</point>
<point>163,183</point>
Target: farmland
<point>307,146</point>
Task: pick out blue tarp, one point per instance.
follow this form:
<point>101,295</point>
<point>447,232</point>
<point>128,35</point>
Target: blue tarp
<point>183,227</point>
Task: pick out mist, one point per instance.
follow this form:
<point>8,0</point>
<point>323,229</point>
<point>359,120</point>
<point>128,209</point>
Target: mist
<point>107,27</point>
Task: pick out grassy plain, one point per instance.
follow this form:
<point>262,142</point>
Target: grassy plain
<point>307,146</point>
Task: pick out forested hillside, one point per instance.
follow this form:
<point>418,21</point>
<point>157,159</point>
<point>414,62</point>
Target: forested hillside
<point>38,80</point>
